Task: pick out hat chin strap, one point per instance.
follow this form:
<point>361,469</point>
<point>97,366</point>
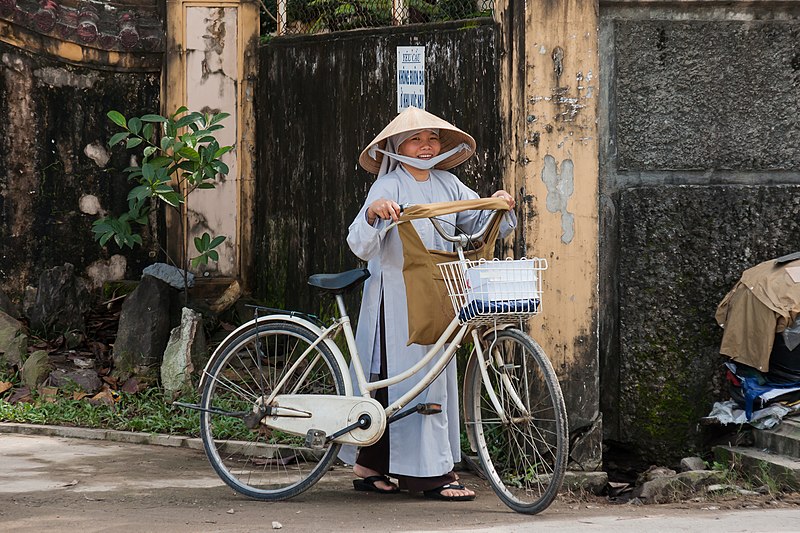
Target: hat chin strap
<point>424,164</point>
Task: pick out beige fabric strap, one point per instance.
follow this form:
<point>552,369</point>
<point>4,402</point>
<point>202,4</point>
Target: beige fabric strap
<point>429,307</point>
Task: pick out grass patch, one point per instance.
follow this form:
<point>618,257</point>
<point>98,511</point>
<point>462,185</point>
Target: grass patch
<point>148,411</point>
<point>144,411</point>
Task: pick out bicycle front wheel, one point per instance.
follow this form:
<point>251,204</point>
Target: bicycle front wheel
<point>519,422</point>
<point>253,459</point>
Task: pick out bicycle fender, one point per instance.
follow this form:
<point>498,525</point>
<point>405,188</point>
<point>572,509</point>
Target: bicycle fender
<point>312,327</point>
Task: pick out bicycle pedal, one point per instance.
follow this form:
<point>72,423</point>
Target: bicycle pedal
<point>429,408</point>
<point>315,438</point>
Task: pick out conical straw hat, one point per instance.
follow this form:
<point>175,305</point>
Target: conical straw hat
<point>411,119</point>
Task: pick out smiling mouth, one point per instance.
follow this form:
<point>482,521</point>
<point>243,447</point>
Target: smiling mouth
<point>424,156</point>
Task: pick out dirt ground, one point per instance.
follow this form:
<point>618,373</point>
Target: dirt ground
<point>64,484</point>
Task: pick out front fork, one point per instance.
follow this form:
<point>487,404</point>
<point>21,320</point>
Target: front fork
<point>483,362</point>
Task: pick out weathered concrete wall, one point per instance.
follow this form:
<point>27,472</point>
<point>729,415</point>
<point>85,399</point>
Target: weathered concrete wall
<point>700,175</point>
<point>322,99</point>
<point>55,171</point>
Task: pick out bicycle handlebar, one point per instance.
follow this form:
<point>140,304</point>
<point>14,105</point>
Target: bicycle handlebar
<point>461,239</point>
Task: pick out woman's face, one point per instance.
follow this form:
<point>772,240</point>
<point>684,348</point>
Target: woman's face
<point>422,145</point>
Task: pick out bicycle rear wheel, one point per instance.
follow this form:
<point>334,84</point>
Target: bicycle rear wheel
<point>522,445</point>
<point>257,461</point>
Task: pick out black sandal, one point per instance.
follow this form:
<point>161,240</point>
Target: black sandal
<point>436,494</point>
<point>368,485</point>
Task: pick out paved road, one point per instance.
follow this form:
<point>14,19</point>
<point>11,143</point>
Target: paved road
<point>68,484</point>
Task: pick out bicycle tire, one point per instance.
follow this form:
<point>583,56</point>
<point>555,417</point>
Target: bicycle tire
<point>261,463</point>
<point>525,457</point>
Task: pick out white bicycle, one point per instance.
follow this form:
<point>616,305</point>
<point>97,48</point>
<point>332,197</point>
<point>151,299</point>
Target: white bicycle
<point>277,399</point>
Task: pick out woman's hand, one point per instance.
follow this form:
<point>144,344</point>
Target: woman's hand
<point>505,196</point>
<point>383,208</point>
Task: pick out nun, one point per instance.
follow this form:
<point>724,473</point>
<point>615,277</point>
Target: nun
<point>411,158</point>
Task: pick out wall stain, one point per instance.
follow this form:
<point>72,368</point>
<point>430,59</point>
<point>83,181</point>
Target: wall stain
<point>560,187</point>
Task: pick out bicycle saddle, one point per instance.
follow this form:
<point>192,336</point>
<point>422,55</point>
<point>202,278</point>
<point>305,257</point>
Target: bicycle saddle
<point>339,283</point>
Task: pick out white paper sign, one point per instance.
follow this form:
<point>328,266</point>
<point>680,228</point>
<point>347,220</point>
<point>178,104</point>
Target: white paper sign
<point>410,77</point>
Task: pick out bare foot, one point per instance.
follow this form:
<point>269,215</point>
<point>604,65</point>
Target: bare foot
<point>364,472</point>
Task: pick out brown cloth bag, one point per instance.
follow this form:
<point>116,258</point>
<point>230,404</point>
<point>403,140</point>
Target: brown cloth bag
<point>762,303</point>
<point>429,307</point>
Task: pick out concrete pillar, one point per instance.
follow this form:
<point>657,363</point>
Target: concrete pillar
<point>549,83</point>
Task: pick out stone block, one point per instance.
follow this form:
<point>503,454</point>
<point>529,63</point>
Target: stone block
<point>143,328</point>
<point>706,94</point>
<point>761,466</point>
<point>36,369</point>
<point>185,343</point>
<point>682,248</point>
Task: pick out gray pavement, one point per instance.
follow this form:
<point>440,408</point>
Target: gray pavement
<point>97,480</point>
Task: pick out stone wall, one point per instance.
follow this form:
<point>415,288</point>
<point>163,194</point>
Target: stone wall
<point>322,99</point>
<point>57,174</point>
<point>700,175</point>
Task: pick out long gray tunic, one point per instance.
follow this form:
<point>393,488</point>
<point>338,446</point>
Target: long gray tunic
<point>420,446</point>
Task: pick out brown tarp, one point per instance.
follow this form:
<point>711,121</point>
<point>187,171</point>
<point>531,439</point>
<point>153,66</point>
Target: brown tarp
<point>429,307</point>
<point>764,302</point>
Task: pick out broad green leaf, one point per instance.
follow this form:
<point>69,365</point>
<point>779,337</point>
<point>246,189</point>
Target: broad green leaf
<point>153,118</point>
<point>221,151</point>
<point>218,117</point>
<point>160,162</point>
<point>219,239</point>
<point>172,198</point>
<point>149,150</point>
<point>213,255</point>
<point>166,142</point>
<point>133,142</point>
<point>147,132</point>
<point>189,153</point>
<point>206,185</point>
<point>135,125</point>
<point>198,244</point>
<point>148,171</point>
<point>139,193</point>
<point>117,137</point>
<point>117,118</point>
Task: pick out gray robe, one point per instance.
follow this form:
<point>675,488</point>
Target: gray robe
<point>420,446</point>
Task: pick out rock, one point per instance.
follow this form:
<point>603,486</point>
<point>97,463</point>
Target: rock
<point>654,472</point>
<point>186,347</point>
<point>692,463</point>
<point>13,340</point>
<point>593,482</point>
<point>143,329</point>
<point>585,452</point>
<point>36,369</point>
<point>86,380</point>
<point>678,487</point>
<point>61,301</point>
<point>169,274</point>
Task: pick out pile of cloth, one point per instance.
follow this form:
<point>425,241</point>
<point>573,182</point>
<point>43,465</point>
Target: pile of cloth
<point>761,321</point>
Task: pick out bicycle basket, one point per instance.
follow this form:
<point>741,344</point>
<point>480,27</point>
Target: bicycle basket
<point>482,291</point>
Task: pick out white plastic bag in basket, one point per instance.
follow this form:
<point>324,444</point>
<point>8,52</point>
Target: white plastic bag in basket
<point>502,280</point>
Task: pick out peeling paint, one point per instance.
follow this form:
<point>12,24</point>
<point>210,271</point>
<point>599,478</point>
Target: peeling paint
<point>89,204</point>
<point>560,187</point>
<point>97,153</point>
